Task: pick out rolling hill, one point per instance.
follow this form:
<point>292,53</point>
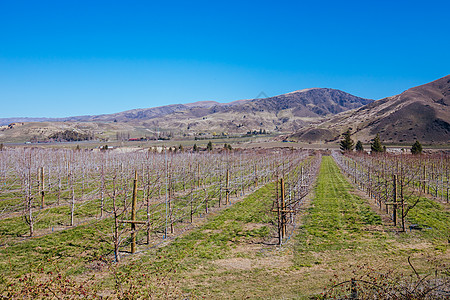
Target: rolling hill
<point>280,114</point>
<point>421,113</point>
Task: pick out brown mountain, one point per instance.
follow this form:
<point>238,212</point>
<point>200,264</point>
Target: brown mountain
<point>315,102</point>
<point>421,113</point>
<point>283,113</point>
<point>280,114</point>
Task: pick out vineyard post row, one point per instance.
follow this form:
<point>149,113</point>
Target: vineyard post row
<point>396,182</point>
<point>35,182</point>
<point>288,203</point>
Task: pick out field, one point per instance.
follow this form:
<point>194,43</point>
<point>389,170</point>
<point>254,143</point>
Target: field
<point>275,223</point>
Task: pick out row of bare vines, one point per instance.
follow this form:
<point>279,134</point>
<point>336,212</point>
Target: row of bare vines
<point>397,182</point>
<point>47,190</point>
<point>291,191</point>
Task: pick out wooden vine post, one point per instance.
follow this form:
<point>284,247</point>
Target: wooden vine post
<point>424,178</point>
<point>395,201</point>
<point>395,204</point>
<point>282,212</point>
<point>402,198</point>
<point>133,221</point>
<point>198,175</point>
<point>280,237</point>
<point>192,207</point>
<point>256,176</point>
<point>283,209</point>
<point>133,214</point>
<point>41,186</point>
<point>206,201</point>
<point>403,204</point>
<point>148,206</point>
<point>227,190</point>
<point>220,189</point>
<point>169,202</point>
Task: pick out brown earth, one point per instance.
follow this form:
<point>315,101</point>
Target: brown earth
<point>420,113</point>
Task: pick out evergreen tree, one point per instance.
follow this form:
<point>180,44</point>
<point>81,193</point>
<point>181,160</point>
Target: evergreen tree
<point>1,147</point>
<point>376,146</point>
<point>347,143</point>
<point>209,147</point>
<point>180,148</point>
<point>195,148</point>
<point>227,147</point>
<point>416,148</point>
<point>359,146</point>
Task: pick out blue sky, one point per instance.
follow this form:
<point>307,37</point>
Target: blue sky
<point>64,58</point>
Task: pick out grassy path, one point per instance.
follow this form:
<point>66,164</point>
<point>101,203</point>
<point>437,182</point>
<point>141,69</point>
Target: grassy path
<point>343,238</point>
<point>337,220</point>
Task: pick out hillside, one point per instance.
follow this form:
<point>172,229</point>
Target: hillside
<point>422,113</point>
<point>283,113</point>
<point>280,114</point>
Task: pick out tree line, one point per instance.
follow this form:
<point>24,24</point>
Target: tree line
<point>347,144</point>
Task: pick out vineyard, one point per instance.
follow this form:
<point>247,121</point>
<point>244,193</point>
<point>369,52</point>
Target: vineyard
<point>398,182</point>
<point>44,191</point>
<point>113,216</point>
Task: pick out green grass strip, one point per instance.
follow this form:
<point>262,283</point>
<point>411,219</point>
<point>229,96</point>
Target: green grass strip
<point>215,239</point>
<point>336,219</point>
<point>434,219</point>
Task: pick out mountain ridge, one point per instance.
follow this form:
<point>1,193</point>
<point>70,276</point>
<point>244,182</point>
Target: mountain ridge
<point>281,113</point>
<point>419,113</point>
<point>162,110</point>
<point>308,115</point>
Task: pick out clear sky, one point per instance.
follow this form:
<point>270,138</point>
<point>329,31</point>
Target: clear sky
<point>65,58</point>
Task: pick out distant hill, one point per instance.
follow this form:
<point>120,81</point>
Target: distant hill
<point>422,113</point>
<point>283,113</point>
<point>315,102</point>
<point>7,121</point>
<point>280,114</point>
